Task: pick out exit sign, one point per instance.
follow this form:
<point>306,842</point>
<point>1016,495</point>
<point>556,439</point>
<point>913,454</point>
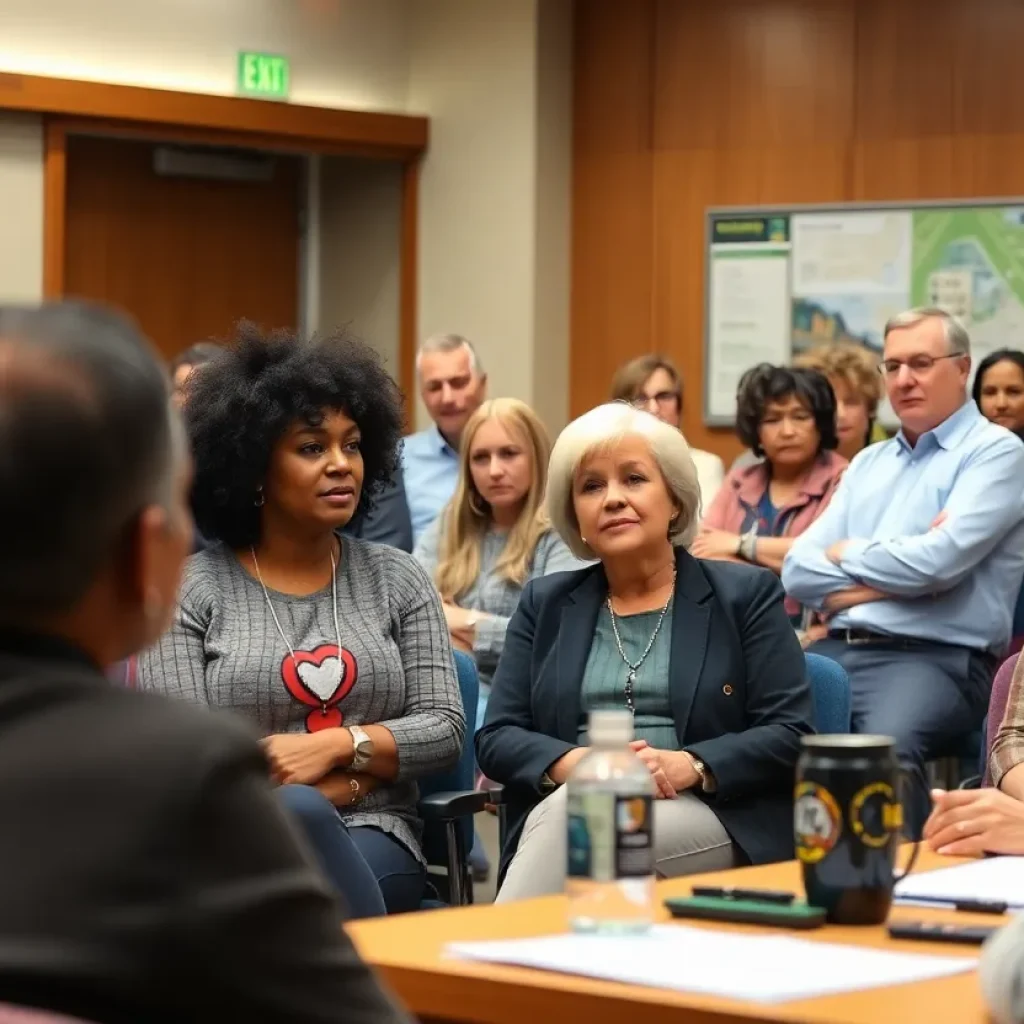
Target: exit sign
<point>263,74</point>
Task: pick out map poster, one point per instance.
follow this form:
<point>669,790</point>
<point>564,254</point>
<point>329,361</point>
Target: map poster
<point>970,261</point>
<point>782,281</point>
<point>748,305</point>
<point>851,273</point>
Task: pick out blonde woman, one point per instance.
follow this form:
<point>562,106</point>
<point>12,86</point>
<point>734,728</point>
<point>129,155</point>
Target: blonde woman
<point>494,535</point>
<point>852,370</point>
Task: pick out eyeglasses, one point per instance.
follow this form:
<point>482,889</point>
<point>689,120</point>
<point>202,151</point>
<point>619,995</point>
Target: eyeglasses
<point>920,364</point>
<point>662,398</point>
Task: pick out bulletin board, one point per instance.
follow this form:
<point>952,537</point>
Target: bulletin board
<point>781,280</point>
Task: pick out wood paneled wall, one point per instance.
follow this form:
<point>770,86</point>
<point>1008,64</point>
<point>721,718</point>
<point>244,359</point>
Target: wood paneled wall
<point>685,104</point>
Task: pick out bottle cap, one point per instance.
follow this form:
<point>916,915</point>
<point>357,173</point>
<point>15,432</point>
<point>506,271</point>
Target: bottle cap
<point>610,728</point>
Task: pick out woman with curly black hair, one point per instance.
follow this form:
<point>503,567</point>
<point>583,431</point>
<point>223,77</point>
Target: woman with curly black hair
<point>788,417</point>
<point>336,648</point>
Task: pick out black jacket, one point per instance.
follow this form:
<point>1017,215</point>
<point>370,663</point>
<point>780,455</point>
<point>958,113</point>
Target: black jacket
<point>738,687</point>
<point>146,871</point>
<point>389,521</point>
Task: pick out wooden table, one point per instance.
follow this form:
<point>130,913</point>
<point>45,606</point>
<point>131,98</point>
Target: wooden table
<point>408,951</point>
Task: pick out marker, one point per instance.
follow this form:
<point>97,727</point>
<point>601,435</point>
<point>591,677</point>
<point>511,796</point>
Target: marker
<point>962,906</point>
<point>754,895</point>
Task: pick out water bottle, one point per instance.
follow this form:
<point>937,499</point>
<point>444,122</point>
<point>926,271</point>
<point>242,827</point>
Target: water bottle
<point>610,796</point>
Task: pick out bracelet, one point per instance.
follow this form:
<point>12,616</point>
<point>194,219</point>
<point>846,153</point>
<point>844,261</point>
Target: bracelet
<point>747,547</point>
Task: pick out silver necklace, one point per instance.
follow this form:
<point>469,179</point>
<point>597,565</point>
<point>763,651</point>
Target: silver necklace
<point>634,666</point>
<point>277,621</point>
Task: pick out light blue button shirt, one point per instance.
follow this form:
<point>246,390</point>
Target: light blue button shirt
<point>956,583</point>
<point>430,469</point>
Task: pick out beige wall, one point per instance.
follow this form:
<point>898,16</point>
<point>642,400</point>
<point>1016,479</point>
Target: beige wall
<point>360,224</point>
<point>486,213</point>
<point>343,53</point>
<point>492,75</point>
<point>21,208</point>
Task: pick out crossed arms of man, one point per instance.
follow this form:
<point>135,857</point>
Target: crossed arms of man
<point>830,569</point>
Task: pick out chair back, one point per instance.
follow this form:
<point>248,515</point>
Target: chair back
<point>997,710</point>
<point>830,690</point>
<point>462,775</point>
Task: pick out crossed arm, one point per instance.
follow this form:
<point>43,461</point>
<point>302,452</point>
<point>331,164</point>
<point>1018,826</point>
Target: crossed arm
<point>825,564</point>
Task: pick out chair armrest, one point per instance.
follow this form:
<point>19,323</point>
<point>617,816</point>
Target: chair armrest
<point>495,794</point>
<point>449,806</point>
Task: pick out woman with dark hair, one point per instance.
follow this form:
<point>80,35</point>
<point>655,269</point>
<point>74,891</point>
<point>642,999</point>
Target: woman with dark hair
<point>999,389</point>
<point>788,418</point>
<point>336,648</point>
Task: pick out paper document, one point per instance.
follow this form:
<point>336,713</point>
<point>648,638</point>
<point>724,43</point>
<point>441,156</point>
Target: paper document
<point>999,879</point>
<point>776,968</point>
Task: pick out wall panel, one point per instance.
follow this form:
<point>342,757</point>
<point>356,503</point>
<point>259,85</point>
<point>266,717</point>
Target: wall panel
<point>612,269</point>
<point>763,101</point>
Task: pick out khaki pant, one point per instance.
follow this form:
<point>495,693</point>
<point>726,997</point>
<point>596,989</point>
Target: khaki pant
<point>688,839</point>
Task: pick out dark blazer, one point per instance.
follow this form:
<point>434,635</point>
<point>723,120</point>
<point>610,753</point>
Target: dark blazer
<point>738,685</point>
<point>148,872</point>
<point>388,522</point>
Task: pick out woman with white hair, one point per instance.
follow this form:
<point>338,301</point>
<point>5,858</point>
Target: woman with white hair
<point>701,653</point>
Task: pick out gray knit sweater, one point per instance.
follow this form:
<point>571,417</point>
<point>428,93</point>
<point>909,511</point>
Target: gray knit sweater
<point>397,671</point>
<point>492,594</point>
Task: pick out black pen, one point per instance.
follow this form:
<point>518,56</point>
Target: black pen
<point>962,906</point>
<point>755,895</point>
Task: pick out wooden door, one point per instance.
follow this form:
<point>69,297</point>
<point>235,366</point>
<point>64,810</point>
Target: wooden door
<point>186,256</point>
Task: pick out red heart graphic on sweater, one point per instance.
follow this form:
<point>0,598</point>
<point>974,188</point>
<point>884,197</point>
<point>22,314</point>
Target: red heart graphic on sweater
<point>320,679</point>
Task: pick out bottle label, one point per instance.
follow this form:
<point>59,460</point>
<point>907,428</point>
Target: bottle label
<point>610,837</point>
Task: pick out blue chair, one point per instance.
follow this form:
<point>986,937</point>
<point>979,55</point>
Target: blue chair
<point>448,802</point>
<point>830,690</point>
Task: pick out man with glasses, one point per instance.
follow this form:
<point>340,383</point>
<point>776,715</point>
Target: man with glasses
<point>919,557</point>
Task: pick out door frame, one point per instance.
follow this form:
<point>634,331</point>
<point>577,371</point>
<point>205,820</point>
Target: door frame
<point>99,108</point>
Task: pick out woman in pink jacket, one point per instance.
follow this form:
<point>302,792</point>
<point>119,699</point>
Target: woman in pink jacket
<point>788,418</point>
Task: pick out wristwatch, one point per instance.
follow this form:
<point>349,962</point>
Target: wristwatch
<point>362,748</point>
<point>707,783</point>
<point>747,546</point>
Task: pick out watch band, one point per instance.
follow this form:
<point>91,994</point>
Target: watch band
<point>707,782</point>
<point>362,747</point>
<point>747,548</point>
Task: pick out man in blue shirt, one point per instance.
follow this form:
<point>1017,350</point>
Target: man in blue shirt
<point>919,557</point>
<point>453,386</point>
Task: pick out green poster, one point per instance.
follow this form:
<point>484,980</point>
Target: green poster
<point>971,262</point>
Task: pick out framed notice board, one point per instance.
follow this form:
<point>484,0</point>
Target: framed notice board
<point>780,280</point>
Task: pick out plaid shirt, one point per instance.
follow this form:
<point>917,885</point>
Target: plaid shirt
<point>1008,748</point>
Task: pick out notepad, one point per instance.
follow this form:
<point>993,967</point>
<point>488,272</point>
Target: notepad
<point>775,968</point>
<point>993,879</point>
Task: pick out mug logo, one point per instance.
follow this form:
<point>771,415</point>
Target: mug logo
<point>816,822</point>
<point>875,814</point>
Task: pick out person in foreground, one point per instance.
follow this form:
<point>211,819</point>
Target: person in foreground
<point>149,873</point>
<point>919,557</point>
<point>702,654</point>
<point>976,822</point>
<point>335,648</point>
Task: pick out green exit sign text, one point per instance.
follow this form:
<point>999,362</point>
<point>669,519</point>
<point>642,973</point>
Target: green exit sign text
<point>263,74</point>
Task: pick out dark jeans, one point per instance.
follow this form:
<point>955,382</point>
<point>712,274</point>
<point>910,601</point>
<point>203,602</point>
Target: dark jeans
<point>926,696</point>
<point>372,871</point>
